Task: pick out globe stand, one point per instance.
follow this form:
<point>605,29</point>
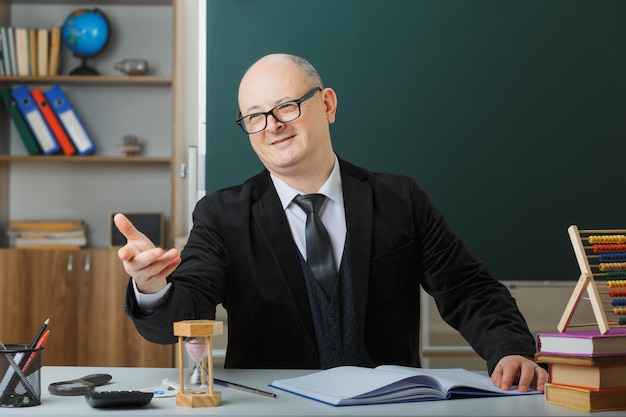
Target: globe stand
<point>84,69</point>
<point>203,329</point>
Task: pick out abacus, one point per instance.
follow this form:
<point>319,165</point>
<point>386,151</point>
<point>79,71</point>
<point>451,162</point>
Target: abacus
<point>600,254</point>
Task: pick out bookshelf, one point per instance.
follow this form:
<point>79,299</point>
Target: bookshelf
<point>110,105</point>
<point>84,289</point>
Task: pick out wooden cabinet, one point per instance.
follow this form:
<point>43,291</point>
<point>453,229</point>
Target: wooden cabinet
<point>82,293</point>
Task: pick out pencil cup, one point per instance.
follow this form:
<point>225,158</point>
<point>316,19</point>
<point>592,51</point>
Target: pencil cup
<point>20,376</point>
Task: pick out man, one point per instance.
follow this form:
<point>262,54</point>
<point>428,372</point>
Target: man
<point>248,251</point>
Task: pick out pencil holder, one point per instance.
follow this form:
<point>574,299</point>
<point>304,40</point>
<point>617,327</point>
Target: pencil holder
<point>20,376</point>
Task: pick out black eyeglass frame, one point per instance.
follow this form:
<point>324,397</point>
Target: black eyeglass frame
<point>299,102</point>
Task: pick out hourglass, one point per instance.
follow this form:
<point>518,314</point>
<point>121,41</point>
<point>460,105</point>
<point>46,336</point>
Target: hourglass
<point>197,388</point>
<point>197,381</point>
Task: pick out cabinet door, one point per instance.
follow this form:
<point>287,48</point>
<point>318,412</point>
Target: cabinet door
<point>15,298</point>
<point>107,336</point>
<point>53,293</point>
<point>36,285</point>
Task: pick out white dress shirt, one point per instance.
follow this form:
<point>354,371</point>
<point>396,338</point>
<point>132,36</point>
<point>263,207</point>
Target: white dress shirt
<point>332,212</point>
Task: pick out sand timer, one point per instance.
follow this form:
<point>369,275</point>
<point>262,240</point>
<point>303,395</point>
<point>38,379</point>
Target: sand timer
<point>197,380</point>
<point>197,386</point>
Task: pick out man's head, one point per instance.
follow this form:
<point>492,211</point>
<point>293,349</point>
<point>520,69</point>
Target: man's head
<point>291,149</point>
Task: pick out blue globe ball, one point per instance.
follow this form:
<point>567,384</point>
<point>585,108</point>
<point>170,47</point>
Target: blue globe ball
<point>85,32</point>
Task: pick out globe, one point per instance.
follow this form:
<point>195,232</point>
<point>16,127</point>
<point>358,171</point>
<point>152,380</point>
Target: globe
<point>85,32</point>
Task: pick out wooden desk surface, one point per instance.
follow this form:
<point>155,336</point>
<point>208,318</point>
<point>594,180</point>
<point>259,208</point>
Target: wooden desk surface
<point>237,403</point>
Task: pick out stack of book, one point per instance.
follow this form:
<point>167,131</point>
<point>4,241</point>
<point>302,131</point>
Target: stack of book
<point>29,51</point>
<point>587,368</point>
<point>48,234</point>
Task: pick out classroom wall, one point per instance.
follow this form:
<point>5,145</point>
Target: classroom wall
<point>510,114</point>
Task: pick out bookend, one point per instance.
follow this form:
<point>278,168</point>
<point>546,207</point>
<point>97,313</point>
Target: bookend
<point>203,329</point>
<point>588,258</point>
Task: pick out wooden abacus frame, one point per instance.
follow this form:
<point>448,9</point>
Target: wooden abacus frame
<point>585,281</point>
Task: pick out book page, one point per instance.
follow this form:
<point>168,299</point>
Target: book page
<point>336,384</point>
<point>453,378</point>
<point>346,385</point>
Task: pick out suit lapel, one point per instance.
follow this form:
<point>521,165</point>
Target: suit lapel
<point>277,234</point>
<point>359,218</point>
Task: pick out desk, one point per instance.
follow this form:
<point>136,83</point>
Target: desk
<point>237,403</point>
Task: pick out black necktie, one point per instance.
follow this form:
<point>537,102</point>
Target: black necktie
<point>319,252</point>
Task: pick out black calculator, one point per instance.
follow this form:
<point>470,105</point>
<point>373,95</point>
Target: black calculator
<point>102,399</point>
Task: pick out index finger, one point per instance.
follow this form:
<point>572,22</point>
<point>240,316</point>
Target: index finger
<point>127,228</point>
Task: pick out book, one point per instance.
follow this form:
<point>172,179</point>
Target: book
<point>34,234</point>
<point>352,385</point>
<point>70,121</point>
<point>588,377</point>
<point>28,138</point>
<point>42,52</point>
<point>53,246</point>
<point>32,48</point>
<point>54,50</point>
<point>45,226</point>
<point>580,360</point>
<point>41,234</point>
<point>53,122</point>
<point>584,343</point>
<point>585,399</point>
<point>72,241</point>
<point>10,33</point>
<point>22,51</point>
<point>26,104</point>
<point>4,48</point>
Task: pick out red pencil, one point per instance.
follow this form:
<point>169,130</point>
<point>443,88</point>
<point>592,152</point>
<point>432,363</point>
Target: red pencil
<point>33,355</point>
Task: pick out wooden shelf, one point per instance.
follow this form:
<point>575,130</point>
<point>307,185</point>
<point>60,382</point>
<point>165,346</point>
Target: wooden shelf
<point>86,159</point>
<point>96,2</point>
<point>89,79</point>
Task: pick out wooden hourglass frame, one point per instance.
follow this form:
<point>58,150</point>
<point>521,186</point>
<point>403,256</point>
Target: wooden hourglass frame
<point>203,329</point>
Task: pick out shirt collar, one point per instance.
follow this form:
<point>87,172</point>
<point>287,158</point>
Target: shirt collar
<point>332,188</point>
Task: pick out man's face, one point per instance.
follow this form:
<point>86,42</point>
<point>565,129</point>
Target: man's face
<point>293,147</point>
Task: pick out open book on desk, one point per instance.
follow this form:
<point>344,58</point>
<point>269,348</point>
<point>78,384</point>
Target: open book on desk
<point>352,385</point>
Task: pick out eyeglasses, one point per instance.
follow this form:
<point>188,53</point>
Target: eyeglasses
<point>283,113</point>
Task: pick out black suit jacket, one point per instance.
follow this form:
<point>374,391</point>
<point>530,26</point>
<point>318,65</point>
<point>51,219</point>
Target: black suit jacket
<point>241,253</point>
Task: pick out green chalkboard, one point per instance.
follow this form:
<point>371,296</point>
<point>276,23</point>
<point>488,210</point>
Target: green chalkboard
<point>510,114</point>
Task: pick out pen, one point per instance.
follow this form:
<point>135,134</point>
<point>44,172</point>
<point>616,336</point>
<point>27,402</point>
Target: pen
<point>40,333</point>
<point>243,388</point>
<point>227,384</point>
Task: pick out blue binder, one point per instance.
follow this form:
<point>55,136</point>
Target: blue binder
<point>70,121</point>
<point>35,120</point>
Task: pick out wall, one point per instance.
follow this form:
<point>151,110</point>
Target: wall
<point>510,114</point>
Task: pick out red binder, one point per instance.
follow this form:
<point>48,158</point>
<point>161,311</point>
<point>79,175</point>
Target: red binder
<point>53,122</point>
